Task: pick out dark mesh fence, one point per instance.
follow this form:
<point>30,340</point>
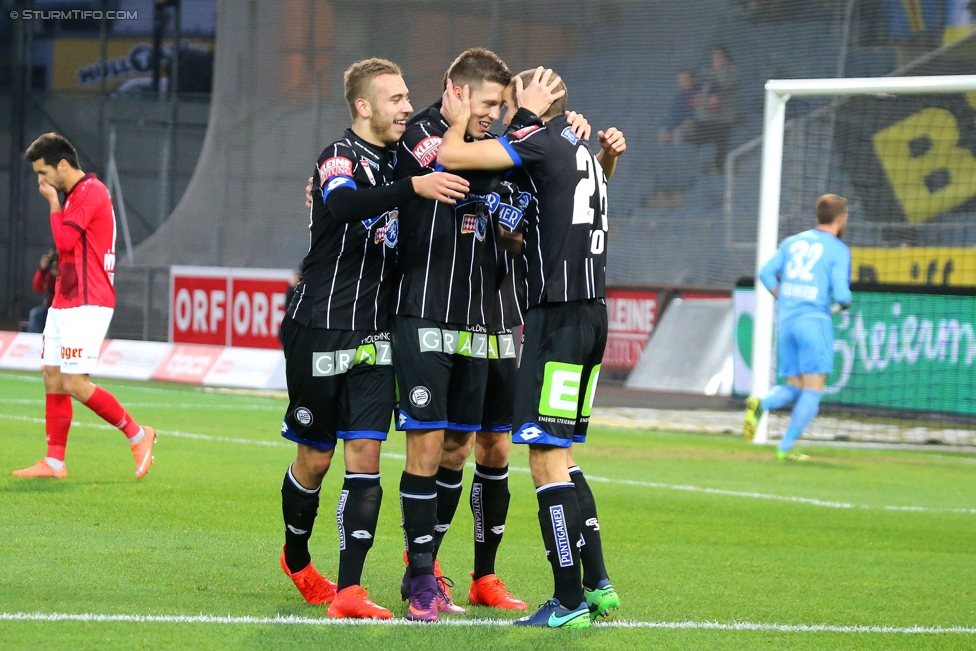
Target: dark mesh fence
<point>684,81</point>
<point>278,99</point>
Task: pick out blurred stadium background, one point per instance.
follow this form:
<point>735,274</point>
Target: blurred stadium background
<point>212,141</point>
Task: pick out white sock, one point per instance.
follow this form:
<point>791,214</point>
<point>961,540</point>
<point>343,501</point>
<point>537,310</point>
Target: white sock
<point>138,437</point>
<point>57,464</point>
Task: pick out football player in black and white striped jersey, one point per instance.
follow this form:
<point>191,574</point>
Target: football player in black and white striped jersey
<point>335,337</point>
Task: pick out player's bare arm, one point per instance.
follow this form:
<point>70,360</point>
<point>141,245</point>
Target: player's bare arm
<point>612,145</point>
<point>457,154</point>
<point>454,152</point>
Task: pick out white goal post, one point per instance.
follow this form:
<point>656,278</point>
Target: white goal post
<point>778,93</point>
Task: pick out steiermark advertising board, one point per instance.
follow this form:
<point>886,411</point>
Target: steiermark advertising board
<point>892,349</point>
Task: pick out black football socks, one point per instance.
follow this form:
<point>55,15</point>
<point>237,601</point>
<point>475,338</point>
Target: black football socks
<point>448,497</point>
<point>299,506</point>
<point>356,515</point>
<point>559,518</point>
<point>591,553</point>
<point>489,506</point>
<point>418,507</point>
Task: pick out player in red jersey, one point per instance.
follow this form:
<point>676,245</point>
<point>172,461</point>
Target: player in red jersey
<point>84,299</point>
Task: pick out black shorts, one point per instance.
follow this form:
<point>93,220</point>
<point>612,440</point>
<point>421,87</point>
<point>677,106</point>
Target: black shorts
<point>441,371</point>
<point>500,389</point>
<point>340,384</point>
<point>562,347</point>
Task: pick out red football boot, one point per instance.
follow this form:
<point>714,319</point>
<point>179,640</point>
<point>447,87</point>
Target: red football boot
<point>354,603</point>
<point>315,588</point>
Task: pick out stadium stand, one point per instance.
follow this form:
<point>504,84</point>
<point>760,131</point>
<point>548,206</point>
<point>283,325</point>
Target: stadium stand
<point>243,205</point>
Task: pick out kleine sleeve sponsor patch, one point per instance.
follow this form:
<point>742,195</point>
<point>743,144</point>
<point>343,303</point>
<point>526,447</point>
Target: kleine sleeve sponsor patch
<point>426,150</point>
<point>524,131</point>
<point>335,166</point>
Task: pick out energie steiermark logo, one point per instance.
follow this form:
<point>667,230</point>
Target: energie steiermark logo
<point>561,390</point>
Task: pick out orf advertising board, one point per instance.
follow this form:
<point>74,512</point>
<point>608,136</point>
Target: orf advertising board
<point>631,315</point>
<point>224,306</point>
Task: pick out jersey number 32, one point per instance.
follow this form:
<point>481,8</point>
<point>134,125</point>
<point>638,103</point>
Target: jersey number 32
<point>804,256</point>
<point>591,190</point>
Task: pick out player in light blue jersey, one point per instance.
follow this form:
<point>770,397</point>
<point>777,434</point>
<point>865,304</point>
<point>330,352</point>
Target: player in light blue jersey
<point>810,277</point>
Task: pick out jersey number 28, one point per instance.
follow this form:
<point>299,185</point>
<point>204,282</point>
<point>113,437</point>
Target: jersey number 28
<point>593,185</point>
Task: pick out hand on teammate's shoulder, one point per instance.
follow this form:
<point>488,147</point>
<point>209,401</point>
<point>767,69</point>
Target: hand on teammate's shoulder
<point>579,124</point>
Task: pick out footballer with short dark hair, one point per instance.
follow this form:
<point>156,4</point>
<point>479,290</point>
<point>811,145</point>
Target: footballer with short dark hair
<point>83,227</point>
<point>446,289</point>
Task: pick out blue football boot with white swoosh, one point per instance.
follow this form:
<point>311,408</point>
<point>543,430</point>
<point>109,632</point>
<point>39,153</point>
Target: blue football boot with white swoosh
<point>552,614</point>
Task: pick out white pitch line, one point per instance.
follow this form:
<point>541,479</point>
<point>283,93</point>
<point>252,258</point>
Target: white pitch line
<point>174,433</point>
<point>314,621</point>
<point>593,478</point>
<point>27,376</point>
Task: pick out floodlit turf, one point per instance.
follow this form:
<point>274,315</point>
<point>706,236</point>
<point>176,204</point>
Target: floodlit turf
<point>201,534</point>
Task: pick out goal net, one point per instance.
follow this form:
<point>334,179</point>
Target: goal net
<point>903,153</point>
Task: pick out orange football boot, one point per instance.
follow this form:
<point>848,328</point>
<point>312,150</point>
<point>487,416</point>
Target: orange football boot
<point>354,603</point>
<point>490,591</point>
<point>142,452</point>
<point>41,469</point>
<point>315,588</point>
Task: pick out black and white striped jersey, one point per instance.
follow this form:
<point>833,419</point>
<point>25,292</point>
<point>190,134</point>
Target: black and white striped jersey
<point>347,274</point>
<point>566,219</point>
<point>445,253</point>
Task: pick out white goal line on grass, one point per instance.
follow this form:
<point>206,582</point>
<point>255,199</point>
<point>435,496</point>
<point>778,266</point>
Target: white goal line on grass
<point>313,621</point>
<point>602,480</point>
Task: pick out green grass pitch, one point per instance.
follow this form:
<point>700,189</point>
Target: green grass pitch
<point>201,534</point>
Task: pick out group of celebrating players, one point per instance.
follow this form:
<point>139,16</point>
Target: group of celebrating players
<point>431,239</point>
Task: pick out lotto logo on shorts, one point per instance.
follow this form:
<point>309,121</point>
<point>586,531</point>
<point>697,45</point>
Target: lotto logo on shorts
<point>70,353</point>
<point>563,551</point>
<point>561,391</point>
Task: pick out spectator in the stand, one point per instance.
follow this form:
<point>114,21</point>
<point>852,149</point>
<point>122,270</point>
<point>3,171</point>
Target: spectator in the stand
<point>715,106</point>
<point>682,114</point>
<point>44,278</point>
